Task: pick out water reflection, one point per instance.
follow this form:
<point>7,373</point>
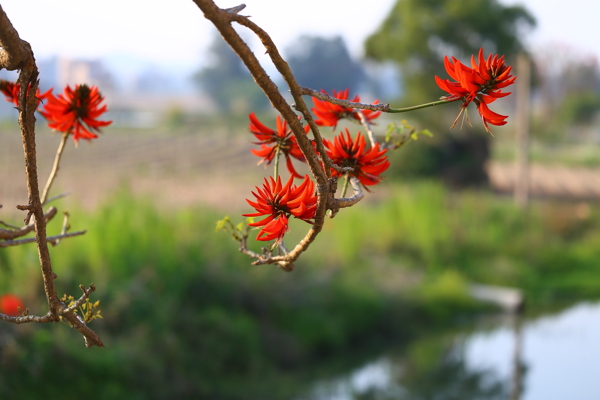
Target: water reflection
<point>552,357</point>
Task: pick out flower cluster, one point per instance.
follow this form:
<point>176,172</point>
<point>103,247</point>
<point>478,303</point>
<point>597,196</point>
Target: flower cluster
<point>73,112</point>
<point>480,84</point>
<point>278,203</point>
<point>11,304</point>
<point>366,163</point>
<point>76,111</point>
<point>271,142</point>
<point>329,114</point>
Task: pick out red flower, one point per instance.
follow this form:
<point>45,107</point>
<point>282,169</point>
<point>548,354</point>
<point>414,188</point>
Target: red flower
<point>76,111</point>
<point>366,165</point>
<point>329,114</point>
<point>480,84</point>
<point>279,203</point>
<point>10,304</point>
<point>271,142</point>
<point>12,90</point>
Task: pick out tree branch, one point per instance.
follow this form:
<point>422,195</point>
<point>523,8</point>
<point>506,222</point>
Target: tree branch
<point>17,54</point>
<point>222,21</point>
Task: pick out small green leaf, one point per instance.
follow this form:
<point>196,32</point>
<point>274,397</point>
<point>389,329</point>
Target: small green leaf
<point>221,223</point>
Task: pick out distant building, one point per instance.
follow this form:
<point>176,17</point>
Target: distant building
<point>151,93</point>
<point>58,72</point>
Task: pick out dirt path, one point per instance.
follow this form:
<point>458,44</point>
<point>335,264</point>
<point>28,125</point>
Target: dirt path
<point>549,181</point>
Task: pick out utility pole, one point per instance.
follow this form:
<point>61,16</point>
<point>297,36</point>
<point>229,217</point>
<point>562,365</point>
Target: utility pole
<point>521,192</point>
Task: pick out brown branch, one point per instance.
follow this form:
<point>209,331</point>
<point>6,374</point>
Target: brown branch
<point>10,234</point>
<point>295,89</point>
<point>222,21</point>
<point>344,103</point>
<point>23,319</point>
<point>15,53</point>
<point>344,202</point>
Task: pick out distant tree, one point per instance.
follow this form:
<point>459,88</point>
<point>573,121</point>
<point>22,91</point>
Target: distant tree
<point>322,63</point>
<point>569,90</point>
<point>227,81</point>
<point>418,33</point>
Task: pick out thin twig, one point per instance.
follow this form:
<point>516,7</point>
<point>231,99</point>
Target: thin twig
<point>344,103</point>
<point>222,21</point>
<point>81,300</point>
<point>367,126</point>
<point>53,240</point>
<point>55,167</point>
<point>58,196</point>
<point>373,107</point>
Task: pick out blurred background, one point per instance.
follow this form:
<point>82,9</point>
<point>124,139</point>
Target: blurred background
<point>388,303</point>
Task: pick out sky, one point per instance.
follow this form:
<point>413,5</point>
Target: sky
<point>175,34</point>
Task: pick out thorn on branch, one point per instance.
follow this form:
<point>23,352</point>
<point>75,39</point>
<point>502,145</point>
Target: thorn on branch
<point>234,10</point>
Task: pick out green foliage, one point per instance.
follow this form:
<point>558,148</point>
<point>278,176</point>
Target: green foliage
<point>321,63</point>
<point>579,108</point>
<point>418,33</point>
<point>185,316</point>
<point>88,311</point>
<point>397,135</point>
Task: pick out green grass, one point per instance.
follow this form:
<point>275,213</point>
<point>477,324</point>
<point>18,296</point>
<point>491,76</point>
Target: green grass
<point>185,314</point>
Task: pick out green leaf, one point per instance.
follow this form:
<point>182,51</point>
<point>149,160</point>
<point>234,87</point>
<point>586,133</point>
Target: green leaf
<point>221,223</point>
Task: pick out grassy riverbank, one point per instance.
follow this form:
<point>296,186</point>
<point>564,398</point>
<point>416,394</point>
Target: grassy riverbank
<point>186,315</point>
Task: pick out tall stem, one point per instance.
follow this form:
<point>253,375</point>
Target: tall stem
<point>345,187</point>
<point>420,106</point>
<point>55,167</point>
<point>276,172</point>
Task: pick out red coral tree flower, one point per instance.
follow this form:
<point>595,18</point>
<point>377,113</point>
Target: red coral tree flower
<point>12,90</point>
<point>282,140</point>
<point>10,305</point>
<point>279,203</point>
<point>480,84</point>
<point>366,164</point>
<point>76,112</point>
<point>329,114</point>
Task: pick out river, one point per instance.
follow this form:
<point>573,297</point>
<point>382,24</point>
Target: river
<point>550,357</point>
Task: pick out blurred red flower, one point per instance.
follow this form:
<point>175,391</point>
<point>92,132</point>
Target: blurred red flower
<point>271,141</point>
<point>12,90</point>
<point>10,304</point>
<point>366,164</point>
<point>479,84</point>
<point>76,112</point>
<point>279,203</point>
<point>329,114</point>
